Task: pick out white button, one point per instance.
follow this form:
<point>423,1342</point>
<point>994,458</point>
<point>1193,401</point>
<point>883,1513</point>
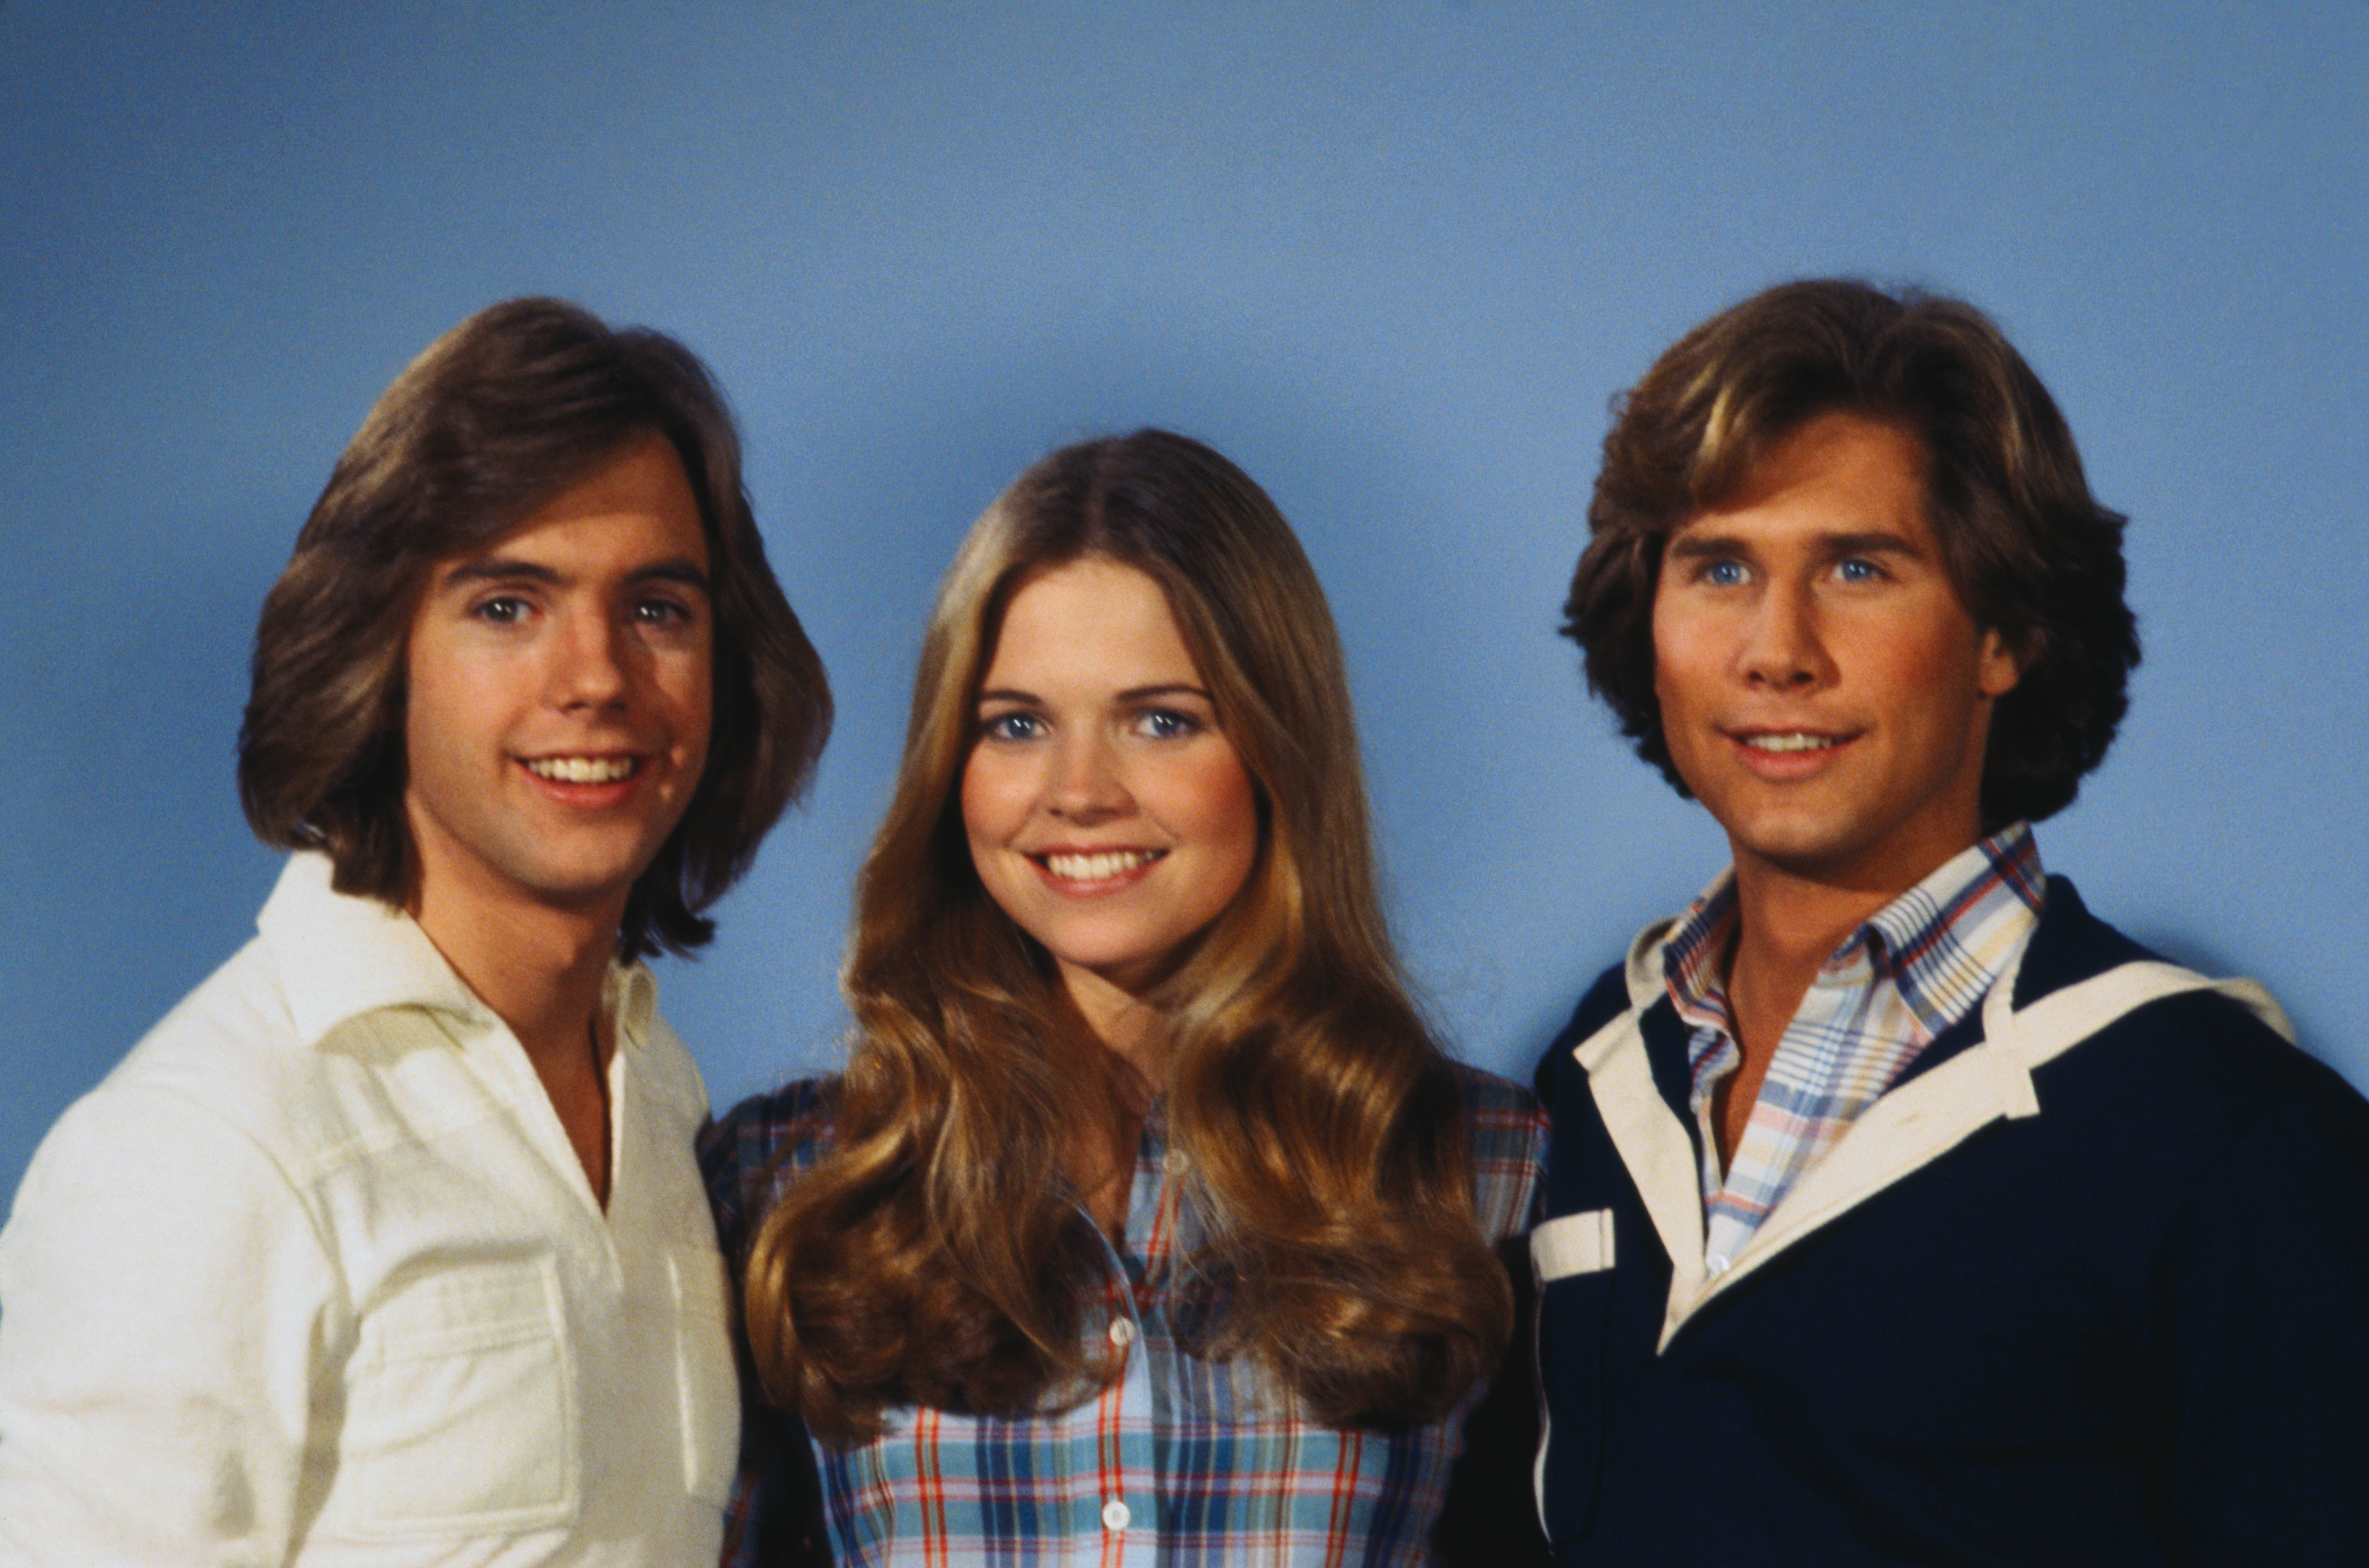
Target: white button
<point>1716,1264</point>
<point>1114,1515</point>
<point>1122,1331</point>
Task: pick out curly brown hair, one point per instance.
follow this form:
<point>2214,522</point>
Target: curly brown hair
<point>2031,552</point>
<point>505,411</point>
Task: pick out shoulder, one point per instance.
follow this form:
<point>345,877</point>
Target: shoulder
<point>1494,1106</point>
<point>1507,1133</point>
<point>229,1056</point>
<point>2203,1067</point>
<point>760,1145</point>
<point>2198,1070</point>
<point>670,1073</point>
<point>239,1021</point>
<point>196,1155</point>
<point>795,1119</point>
<point>1603,1001</point>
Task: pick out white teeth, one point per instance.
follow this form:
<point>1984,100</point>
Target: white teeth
<point>1793,742</point>
<point>582,769</point>
<point>1098,868</point>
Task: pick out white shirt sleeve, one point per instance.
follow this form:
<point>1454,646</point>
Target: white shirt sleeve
<point>165,1303</point>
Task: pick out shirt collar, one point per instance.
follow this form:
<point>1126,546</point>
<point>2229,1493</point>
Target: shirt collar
<point>1926,941</point>
<point>630,996</point>
<point>1942,941</point>
<point>342,955</point>
<point>1694,965</point>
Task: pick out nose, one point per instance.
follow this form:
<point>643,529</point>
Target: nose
<point>1086,785</point>
<point>589,666</point>
<point>1782,649</point>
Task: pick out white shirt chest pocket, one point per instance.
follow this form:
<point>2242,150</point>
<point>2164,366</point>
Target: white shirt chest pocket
<point>460,1405</point>
<point>707,1383</point>
<point>1573,1243</point>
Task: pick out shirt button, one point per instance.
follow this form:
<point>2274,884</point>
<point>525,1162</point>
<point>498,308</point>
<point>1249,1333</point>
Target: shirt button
<point>1122,1331</point>
<point>1716,1264</point>
<point>1114,1515</point>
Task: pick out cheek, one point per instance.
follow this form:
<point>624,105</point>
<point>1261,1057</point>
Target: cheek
<point>1674,694</point>
<point>684,691</point>
<point>1683,653</point>
<point>1223,806</point>
<point>1927,661</point>
<point>439,708</point>
<point>987,791</point>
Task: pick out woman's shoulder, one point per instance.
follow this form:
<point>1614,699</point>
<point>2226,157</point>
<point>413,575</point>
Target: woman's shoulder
<point>1507,1132</point>
<point>1494,1103</point>
<point>764,1140</point>
<point>797,1112</point>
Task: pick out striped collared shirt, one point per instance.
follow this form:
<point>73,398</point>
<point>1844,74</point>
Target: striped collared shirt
<point>1916,966</point>
<point>1178,1462</point>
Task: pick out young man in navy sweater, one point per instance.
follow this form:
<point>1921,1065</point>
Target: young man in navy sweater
<point>1901,1210</point>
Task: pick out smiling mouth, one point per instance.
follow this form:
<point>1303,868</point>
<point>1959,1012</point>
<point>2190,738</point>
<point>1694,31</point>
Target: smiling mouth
<point>583,770</point>
<point>1097,867</point>
<point>1790,741</point>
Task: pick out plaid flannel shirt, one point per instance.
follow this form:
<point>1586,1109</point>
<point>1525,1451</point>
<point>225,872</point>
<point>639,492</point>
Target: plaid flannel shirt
<point>1180,1461</point>
<point>1914,968</point>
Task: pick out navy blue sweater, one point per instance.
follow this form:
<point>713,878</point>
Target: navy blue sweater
<point>2132,1328</point>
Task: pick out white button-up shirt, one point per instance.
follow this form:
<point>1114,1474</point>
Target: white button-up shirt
<point>315,1277</point>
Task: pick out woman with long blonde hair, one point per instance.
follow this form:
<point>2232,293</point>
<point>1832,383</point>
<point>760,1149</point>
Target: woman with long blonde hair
<point>1148,1221</point>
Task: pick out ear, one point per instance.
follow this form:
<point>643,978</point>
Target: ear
<point>2000,664</point>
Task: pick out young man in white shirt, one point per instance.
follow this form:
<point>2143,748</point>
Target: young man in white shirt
<point>387,1246</point>
<point>1901,1211</point>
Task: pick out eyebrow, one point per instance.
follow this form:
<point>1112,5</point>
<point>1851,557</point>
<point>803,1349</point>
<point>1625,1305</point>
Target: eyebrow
<point>1701,546</point>
<point>1132,695</point>
<point>510,568</point>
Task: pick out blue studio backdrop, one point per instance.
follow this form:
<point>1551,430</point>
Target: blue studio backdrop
<point>1392,256</point>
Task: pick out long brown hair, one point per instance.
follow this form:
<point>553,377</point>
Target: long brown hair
<point>938,1255</point>
<point>498,416</point>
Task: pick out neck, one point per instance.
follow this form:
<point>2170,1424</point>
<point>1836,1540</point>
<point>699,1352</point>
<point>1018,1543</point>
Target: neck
<point>1789,921</point>
<point>539,969</point>
<point>1102,1153</point>
<point>1788,924</point>
<point>1127,1024</point>
<point>1786,927</point>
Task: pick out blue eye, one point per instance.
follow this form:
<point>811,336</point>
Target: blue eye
<point>1013,725</point>
<point>1857,569</point>
<point>1723,573</point>
<point>662,612</point>
<point>1167,723</point>
<point>503,610</point>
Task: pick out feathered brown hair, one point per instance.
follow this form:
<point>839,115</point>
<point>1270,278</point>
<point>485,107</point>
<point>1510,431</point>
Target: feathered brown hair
<point>939,1255</point>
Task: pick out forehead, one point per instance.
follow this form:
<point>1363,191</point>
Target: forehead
<point>1838,473</point>
<point>1087,620</point>
<point>636,503</point>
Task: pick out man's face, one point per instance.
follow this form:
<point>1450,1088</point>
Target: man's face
<point>1824,692</point>
<point>557,695</point>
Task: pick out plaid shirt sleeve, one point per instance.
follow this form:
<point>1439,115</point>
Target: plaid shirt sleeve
<point>775,1514</point>
<point>1509,1143</point>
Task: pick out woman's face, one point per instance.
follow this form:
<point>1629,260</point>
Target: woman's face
<point>1107,813</point>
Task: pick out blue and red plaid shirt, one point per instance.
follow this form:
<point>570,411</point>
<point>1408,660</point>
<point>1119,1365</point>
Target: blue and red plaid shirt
<point>1180,1461</point>
<point>1914,968</point>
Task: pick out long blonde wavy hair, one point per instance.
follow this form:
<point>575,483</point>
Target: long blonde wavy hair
<point>938,1255</point>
